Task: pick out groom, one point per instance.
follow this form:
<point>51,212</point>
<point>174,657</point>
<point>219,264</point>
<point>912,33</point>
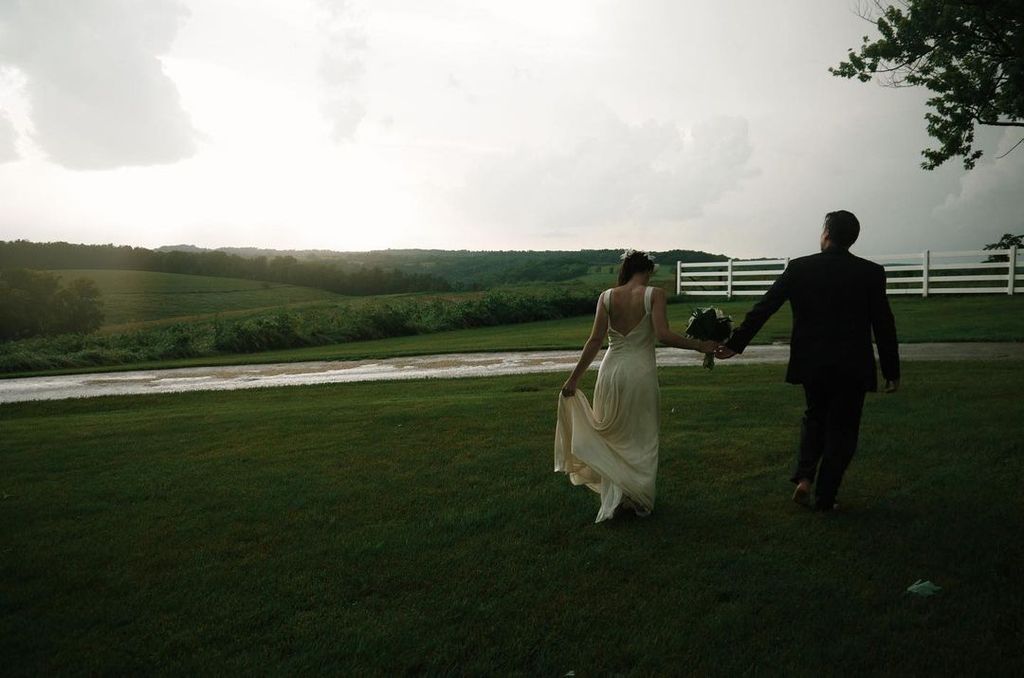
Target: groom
<point>838,299</point>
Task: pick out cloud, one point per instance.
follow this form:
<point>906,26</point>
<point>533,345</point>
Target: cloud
<point>622,174</point>
<point>97,92</point>
<point>8,152</point>
<point>342,68</point>
<point>988,200</point>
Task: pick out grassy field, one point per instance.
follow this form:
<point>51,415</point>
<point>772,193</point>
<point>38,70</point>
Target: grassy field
<point>417,324</point>
<point>140,296</point>
<point>417,527</point>
<point>918,320</point>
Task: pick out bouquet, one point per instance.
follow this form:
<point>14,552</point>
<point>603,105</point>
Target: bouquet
<point>709,324</point>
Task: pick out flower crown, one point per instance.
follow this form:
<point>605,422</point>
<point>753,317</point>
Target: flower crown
<point>630,252</point>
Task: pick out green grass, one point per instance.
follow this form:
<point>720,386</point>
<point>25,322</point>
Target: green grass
<point>140,296</point>
<point>315,324</point>
<point>937,319</point>
<point>918,320</point>
<point>417,528</point>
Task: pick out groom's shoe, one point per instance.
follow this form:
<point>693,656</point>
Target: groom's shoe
<point>822,506</point>
<point>802,493</point>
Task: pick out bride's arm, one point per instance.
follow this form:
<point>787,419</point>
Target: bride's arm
<point>659,317</point>
<point>590,349</point>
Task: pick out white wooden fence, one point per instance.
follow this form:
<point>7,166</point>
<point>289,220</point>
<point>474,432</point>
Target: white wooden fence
<point>924,273</point>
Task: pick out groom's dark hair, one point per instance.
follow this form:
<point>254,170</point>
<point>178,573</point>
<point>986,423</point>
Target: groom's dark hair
<point>843,228</point>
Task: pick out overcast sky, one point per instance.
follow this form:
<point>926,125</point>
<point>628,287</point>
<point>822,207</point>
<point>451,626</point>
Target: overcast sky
<point>463,124</point>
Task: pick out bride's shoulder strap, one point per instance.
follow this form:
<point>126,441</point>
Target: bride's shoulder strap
<point>648,293</point>
<point>606,299</point>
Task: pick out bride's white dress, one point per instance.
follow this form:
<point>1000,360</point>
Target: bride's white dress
<point>612,447</point>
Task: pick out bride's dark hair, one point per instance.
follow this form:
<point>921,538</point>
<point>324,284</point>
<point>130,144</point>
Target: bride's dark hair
<point>636,262</point>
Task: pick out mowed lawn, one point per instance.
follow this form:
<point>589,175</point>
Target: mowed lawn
<point>417,527</point>
<point>140,296</point>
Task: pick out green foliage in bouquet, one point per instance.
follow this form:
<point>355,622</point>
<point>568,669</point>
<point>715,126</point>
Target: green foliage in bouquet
<point>709,324</point>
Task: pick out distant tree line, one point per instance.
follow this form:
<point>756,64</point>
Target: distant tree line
<point>324,274</point>
<point>357,273</point>
<point>33,303</point>
<point>484,269</point>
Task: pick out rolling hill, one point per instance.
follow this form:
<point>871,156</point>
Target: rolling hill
<point>139,296</point>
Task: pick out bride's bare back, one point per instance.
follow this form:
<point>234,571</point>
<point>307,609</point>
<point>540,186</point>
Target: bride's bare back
<point>627,307</point>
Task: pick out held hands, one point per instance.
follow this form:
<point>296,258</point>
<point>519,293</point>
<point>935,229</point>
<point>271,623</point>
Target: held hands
<point>569,388</point>
<point>707,346</point>
<point>724,352</point>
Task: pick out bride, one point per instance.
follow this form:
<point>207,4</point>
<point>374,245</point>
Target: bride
<point>612,448</point>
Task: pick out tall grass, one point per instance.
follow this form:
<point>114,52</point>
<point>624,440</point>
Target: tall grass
<point>292,328</point>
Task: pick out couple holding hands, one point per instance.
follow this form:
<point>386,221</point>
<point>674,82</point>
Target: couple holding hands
<point>838,301</point>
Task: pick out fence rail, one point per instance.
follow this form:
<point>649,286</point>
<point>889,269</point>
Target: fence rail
<point>959,272</point>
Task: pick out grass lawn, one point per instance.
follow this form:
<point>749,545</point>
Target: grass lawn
<point>417,527</point>
<point>138,296</point>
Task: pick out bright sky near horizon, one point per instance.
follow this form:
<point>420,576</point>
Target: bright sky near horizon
<point>460,124</point>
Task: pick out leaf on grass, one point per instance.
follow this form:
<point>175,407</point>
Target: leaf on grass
<point>923,587</point>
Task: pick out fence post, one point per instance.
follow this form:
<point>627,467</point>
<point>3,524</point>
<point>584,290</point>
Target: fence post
<point>728,281</point>
<point>924,272</point>
<point>1013,270</point>
<point>679,278</point>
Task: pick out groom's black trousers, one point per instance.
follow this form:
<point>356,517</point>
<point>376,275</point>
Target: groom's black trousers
<point>828,435</point>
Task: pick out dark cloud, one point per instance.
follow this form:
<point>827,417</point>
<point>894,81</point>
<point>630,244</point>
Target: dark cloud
<point>98,94</point>
<point>623,173</point>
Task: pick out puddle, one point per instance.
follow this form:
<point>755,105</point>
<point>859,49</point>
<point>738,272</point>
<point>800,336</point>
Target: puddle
<point>449,366</point>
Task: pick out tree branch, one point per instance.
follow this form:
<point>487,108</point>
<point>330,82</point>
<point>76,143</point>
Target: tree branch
<point>1012,149</point>
<point>997,123</point>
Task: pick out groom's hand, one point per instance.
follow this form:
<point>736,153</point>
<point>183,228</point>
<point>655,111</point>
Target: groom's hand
<point>724,352</point>
<point>892,385</point>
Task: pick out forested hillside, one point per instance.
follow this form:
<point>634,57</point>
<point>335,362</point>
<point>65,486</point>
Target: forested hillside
<point>375,272</point>
<point>327,275</point>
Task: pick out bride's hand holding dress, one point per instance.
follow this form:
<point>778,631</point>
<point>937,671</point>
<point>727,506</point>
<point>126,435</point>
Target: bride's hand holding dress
<point>612,446</point>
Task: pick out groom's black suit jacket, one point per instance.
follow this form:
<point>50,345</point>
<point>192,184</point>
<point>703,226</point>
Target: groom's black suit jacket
<point>837,300</point>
